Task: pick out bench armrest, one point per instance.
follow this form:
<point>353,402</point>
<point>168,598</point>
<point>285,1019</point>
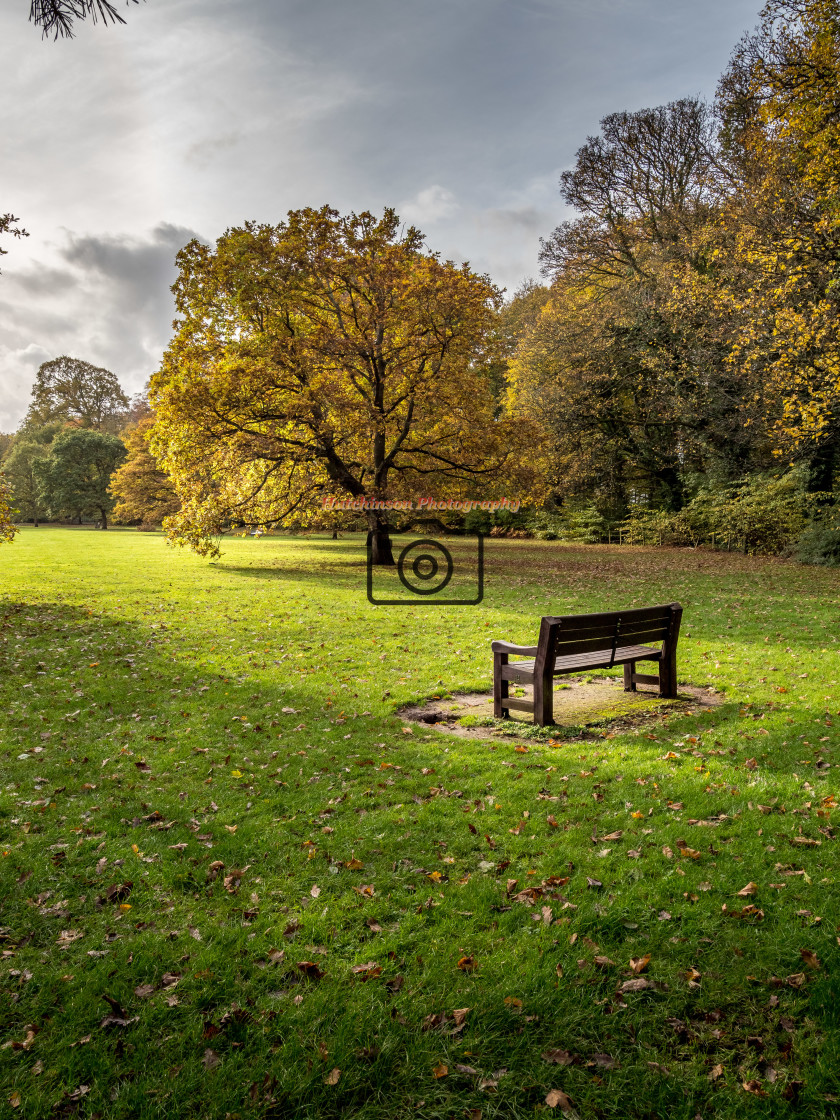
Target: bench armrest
<point>506,647</point>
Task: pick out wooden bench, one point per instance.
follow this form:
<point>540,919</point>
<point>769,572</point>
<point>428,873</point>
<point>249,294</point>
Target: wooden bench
<point>577,642</point>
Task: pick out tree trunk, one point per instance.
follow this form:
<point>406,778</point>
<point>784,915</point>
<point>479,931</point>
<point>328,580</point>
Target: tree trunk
<point>104,519</point>
<point>379,539</point>
<point>35,522</point>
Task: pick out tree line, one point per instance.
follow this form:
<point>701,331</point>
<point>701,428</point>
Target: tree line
<point>80,452</point>
<point>675,376</point>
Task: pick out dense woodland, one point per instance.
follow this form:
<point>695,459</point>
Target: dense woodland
<point>675,377</point>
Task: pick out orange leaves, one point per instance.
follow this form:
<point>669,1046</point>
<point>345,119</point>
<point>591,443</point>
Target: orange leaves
<point>467,964</point>
<point>747,891</point>
<point>639,964</point>
<point>749,912</point>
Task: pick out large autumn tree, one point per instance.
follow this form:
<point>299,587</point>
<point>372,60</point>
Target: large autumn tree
<point>779,103</point>
<point>329,356</point>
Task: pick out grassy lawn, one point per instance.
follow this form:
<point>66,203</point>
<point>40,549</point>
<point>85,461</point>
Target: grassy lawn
<point>234,884</point>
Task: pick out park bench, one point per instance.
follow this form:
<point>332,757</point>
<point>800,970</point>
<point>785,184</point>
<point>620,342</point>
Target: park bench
<point>576,643</point>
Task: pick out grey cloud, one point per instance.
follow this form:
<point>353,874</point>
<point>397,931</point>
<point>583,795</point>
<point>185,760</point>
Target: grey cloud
<point>110,304</point>
<point>204,113</point>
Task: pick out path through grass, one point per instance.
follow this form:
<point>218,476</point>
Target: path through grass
<point>234,886</point>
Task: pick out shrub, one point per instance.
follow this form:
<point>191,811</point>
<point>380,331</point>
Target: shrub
<point>819,544</point>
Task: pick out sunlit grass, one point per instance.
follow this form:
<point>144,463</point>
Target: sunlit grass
<point>161,715</point>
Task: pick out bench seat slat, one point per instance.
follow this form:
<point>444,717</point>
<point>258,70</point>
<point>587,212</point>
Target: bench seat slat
<point>600,659</point>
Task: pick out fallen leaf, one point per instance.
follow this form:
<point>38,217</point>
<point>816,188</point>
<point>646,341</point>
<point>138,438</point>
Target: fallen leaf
<point>367,971</point>
<point>315,891</point>
<point>810,958</point>
<point>143,991</point>
<point>749,889</point>
<point>639,985</point>
<point>715,1072</point>
<point>604,1061</point>
<point>558,1057</point>
<point>211,1059</point>
<point>754,1087</point>
<point>310,969</point>
<point>467,964</point>
<point>440,1071</point>
<point>639,964</point>
<point>558,1099</point>
<point>333,1076</point>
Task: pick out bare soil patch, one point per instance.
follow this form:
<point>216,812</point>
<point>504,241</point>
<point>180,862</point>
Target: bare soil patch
<point>582,708</point>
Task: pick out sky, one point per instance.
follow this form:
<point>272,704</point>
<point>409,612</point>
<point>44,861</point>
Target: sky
<point>119,146</point>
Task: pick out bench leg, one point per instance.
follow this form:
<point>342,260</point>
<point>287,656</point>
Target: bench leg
<point>629,670</point>
<point>543,700</point>
<point>500,687</point>
<point>668,677</point>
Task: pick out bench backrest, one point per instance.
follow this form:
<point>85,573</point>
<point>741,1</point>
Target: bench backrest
<point>567,635</point>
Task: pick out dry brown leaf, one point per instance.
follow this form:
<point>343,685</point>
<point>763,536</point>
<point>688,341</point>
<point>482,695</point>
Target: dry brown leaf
<point>748,890</point>
<point>558,1099</point>
<point>467,964</point>
<point>211,1059</point>
<point>440,1071</point>
<point>638,985</point>
<point>558,1057</point>
<point>715,1072</point>
<point>754,1087</point>
<point>639,964</point>
<point>459,1015</point>
<point>332,1077</point>
<point>810,958</point>
<point>367,971</point>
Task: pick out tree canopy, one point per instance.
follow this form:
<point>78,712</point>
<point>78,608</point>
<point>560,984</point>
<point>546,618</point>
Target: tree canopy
<point>78,472</point>
<point>329,355</point>
<point>75,392</point>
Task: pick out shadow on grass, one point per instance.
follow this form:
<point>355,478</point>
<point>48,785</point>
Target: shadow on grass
<point>528,989</point>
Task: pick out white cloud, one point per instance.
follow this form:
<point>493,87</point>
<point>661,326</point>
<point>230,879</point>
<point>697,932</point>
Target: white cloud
<point>429,206</point>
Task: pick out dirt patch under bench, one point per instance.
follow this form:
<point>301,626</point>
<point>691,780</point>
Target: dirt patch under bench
<point>582,707</point>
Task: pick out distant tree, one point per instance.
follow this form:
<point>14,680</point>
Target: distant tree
<point>57,17</point>
<point>8,529</point>
<point>79,472</point>
<point>25,469</point>
<point>75,392</point>
<point>143,491</point>
<point>7,440</point>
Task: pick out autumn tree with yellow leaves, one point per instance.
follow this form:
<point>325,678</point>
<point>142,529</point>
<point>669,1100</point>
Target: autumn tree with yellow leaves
<point>330,356</point>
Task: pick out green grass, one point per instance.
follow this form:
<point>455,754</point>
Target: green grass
<point>144,739</point>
